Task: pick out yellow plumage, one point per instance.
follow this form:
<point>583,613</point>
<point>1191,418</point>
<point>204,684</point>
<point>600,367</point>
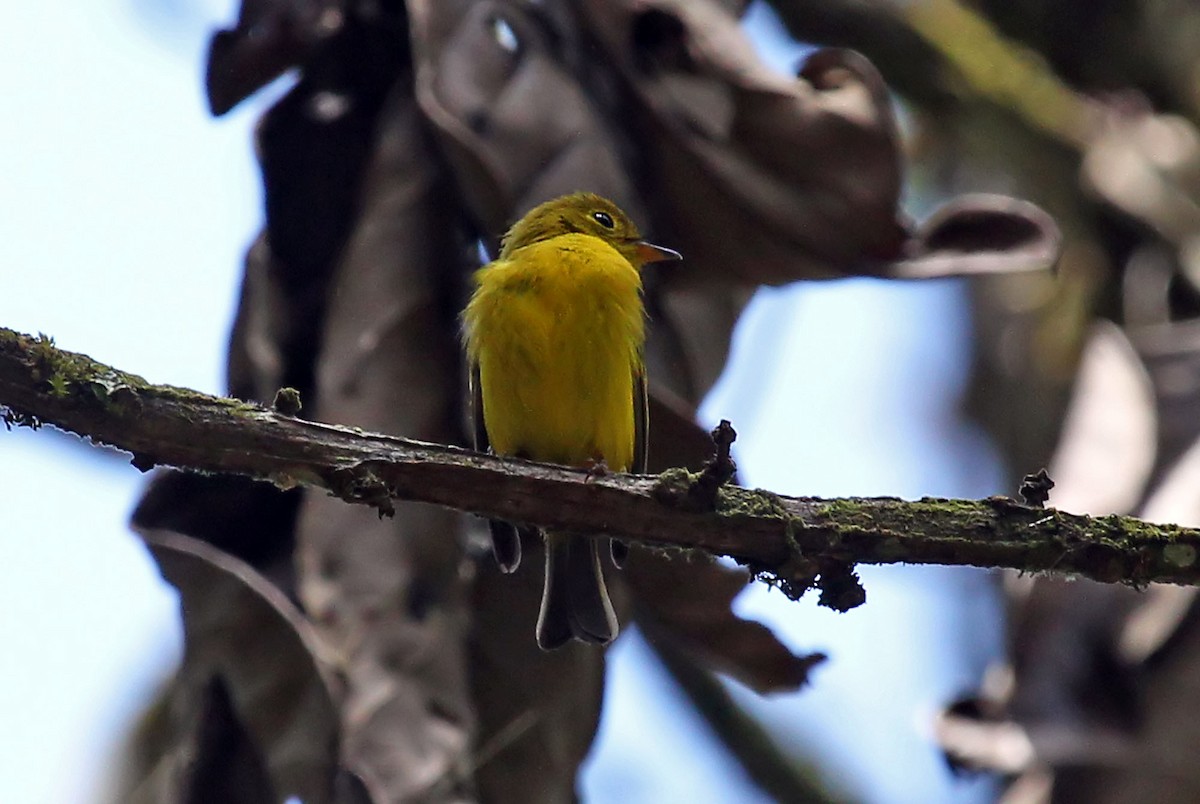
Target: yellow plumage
<point>554,334</point>
<point>557,333</point>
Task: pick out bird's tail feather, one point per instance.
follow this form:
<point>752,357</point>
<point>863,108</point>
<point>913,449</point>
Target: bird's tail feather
<point>506,544</point>
<point>574,601</point>
<point>619,551</point>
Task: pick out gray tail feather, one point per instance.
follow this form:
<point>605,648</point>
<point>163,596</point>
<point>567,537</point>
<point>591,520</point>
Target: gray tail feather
<point>574,601</point>
<point>619,551</point>
<point>506,545</point>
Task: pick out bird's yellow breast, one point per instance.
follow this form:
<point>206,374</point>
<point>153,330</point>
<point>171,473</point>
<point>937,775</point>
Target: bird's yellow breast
<point>557,332</point>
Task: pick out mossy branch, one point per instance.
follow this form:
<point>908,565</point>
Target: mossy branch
<point>796,543</point>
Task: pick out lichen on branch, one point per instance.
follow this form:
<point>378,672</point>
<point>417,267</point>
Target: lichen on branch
<point>795,543</point>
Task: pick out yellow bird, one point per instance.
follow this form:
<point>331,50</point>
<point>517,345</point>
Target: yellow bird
<point>554,334</point>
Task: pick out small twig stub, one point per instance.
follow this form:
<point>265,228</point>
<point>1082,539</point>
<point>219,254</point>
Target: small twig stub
<point>1035,488</point>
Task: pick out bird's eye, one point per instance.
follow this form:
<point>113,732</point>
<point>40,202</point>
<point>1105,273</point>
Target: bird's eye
<point>604,219</point>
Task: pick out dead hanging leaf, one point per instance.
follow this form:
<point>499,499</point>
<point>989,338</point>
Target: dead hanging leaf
<point>676,439</point>
<point>387,594</point>
<point>1107,448</point>
<point>1148,166</point>
<point>1143,665</point>
<point>248,519</point>
<point>1120,731</point>
<point>538,711</point>
<point>979,234</point>
<point>768,179</point>
<point>689,336</point>
<point>516,123</point>
<point>313,145</point>
<point>667,607</point>
<point>1171,352</point>
<point>1067,673</point>
<point>270,37</point>
<point>239,628</point>
<point>1072,698</point>
<point>1162,636</point>
<point>1160,766</point>
<point>1066,700</point>
<point>1104,677</point>
<point>1175,499</point>
<point>208,757</point>
<point>765,177</point>
<point>357,788</point>
<point>690,602</point>
<point>212,776</point>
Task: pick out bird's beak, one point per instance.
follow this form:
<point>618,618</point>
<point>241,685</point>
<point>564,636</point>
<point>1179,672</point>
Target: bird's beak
<point>648,252</point>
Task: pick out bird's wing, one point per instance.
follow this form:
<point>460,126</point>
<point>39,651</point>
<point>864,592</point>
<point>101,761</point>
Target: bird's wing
<point>641,450</point>
<point>506,538</point>
<point>479,435</point>
<point>641,423</point>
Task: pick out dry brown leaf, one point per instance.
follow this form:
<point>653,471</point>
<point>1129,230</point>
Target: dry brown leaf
<point>1149,167</point>
<point>979,234</point>
<point>538,711</point>
<point>667,607</point>
<point>690,602</point>
<point>765,178</point>
<point>270,36</point>
<point>1171,353</point>
<point>676,439</point>
<point>387,594</point>
<point>1107,448</point>
<point>517,126</point>
<point>239,628</point>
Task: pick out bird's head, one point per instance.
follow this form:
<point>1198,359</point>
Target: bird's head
<point>589,214</point>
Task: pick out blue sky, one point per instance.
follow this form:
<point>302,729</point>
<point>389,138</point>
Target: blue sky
<point>124,213</point>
